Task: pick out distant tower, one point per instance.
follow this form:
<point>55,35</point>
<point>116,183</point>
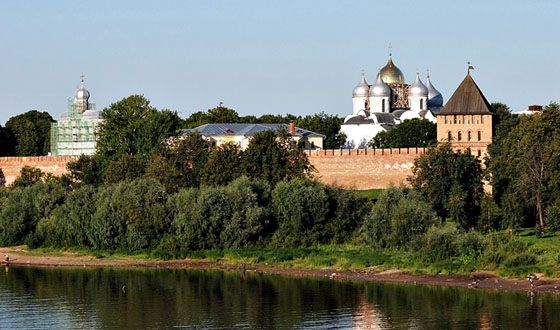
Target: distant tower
<point>360,96</point>
<point>418,95</point>
<point>379,96</point>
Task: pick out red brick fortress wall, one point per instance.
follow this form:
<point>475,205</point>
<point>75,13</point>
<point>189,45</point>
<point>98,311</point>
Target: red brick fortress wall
<point>11,166</point>
<point>349,168</point>
<point>366,168</point>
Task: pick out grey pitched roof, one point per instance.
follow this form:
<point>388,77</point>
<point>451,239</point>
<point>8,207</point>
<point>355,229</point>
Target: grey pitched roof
<point>466,100</point>
<point>246,130</point>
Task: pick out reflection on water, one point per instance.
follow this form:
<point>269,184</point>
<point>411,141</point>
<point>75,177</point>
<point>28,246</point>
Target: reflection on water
<point>153,298</point>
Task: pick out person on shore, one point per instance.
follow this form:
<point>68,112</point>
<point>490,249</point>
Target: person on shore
<point>7,259</point>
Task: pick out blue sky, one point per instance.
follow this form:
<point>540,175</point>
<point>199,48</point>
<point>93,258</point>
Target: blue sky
<point>277,57</point>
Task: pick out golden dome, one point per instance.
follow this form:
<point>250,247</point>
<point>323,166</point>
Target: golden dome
<point>391,74</point>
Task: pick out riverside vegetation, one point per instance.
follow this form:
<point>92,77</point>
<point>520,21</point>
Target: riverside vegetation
<point>172,198</point>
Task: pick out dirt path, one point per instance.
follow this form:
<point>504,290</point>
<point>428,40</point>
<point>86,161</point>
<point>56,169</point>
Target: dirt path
<point>479,280</point>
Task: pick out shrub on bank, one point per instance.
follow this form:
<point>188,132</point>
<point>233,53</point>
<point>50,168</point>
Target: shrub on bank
<point>397,219</point>
<point>301,208</point>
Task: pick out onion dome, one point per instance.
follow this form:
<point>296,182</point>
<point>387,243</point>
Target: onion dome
<point>379,88</point>
<point>417,88</point>
<point>82,92</point>
<point>435,99</point>
<point>391,74</point>
<point>362,89</point>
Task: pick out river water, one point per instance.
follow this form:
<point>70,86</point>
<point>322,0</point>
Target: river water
<point>57,298</point>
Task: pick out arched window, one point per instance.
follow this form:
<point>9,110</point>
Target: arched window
<point>448,136</point>
<point>459,136</point>
<point>468,135</point>
<point>421,104</point>
<point>479,135</point>
<point>383,105</point>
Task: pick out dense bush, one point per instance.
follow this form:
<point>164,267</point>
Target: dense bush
<point>69,224</point>
<point>398,218</point>
<point>440,242</point>
<point>301,207</point>
<point>346,214</point>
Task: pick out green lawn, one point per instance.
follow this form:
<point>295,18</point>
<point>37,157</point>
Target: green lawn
<point>372,194</point>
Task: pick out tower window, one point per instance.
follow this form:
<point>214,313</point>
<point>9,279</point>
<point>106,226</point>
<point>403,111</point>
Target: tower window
<point>459,136</point>
<point>454,119</point>
<point>383,105</point>
<point>481,119</point>
<point>421,104</point>
<point>445,117</point>
<point>479,153</point>
<point>449,136</point>
<point>479,135</point>
<point>468,135</point>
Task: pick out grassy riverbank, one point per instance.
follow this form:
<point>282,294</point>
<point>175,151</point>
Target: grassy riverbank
<point>350,257</point>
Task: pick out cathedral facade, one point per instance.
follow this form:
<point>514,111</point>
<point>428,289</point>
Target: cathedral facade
<point>75,132</point>
<point>386,103</point>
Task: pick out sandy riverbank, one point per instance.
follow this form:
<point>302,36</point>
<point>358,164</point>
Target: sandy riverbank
<point>479,280</point>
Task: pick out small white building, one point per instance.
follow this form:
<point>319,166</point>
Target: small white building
<point>388,102</point>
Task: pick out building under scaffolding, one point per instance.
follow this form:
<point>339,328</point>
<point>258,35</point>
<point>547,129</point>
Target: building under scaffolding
<point>75,133</point>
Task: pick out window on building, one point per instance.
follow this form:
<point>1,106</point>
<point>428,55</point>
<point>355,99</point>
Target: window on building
<point>468,135</point>
<point>479,153</point>
<point>479,135</point>
<point>445,117</point>
<point>459,136</point>
<point>454,119</point>
<point>421,104</point>
<point>383,105</point>
<point>449,136</point>
<point>481,119</point>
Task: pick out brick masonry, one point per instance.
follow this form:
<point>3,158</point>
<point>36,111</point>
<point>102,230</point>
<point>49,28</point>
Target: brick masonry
<point>55,165</point>
<point>364,169</point>
<point>357,169</point>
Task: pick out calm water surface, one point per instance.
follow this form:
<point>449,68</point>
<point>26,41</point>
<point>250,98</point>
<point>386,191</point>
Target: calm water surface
<point>153,298</point>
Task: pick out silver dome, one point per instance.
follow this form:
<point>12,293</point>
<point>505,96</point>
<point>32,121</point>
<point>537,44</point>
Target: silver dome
<point>82,92</point>
<point>379,88</point>
<point>435,99</point>
<point>417,88</point>
<point>362,89</point>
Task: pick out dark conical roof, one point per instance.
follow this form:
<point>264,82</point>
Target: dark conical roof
<point>467,100</point>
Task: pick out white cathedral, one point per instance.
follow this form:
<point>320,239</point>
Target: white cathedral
<point>388,102</point>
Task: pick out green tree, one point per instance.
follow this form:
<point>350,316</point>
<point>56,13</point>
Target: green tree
<point>68,225</point>
<point>132,127</point>
<point>28,176</point>
<point>250,220</point>
<point>189,154</point>
<point>398,219</point>
<point>218,114</point>
<point>31,131</point>
<point>328,125</point>
<point>87,169</point>
<point>223,165</point>
<point>130,215</point>
<point>163,170</point>
<point>127,167</point>
<point>408,134</point>
<point>273,156</point>
<point>301,208</point>
<point>525,164</point>
<point>450,181</point>
<point>7,142</point>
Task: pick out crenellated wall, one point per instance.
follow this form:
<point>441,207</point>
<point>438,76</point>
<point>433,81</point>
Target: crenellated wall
<point>364,168</point>
<point>55,165</point>
<point>350,168</point>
